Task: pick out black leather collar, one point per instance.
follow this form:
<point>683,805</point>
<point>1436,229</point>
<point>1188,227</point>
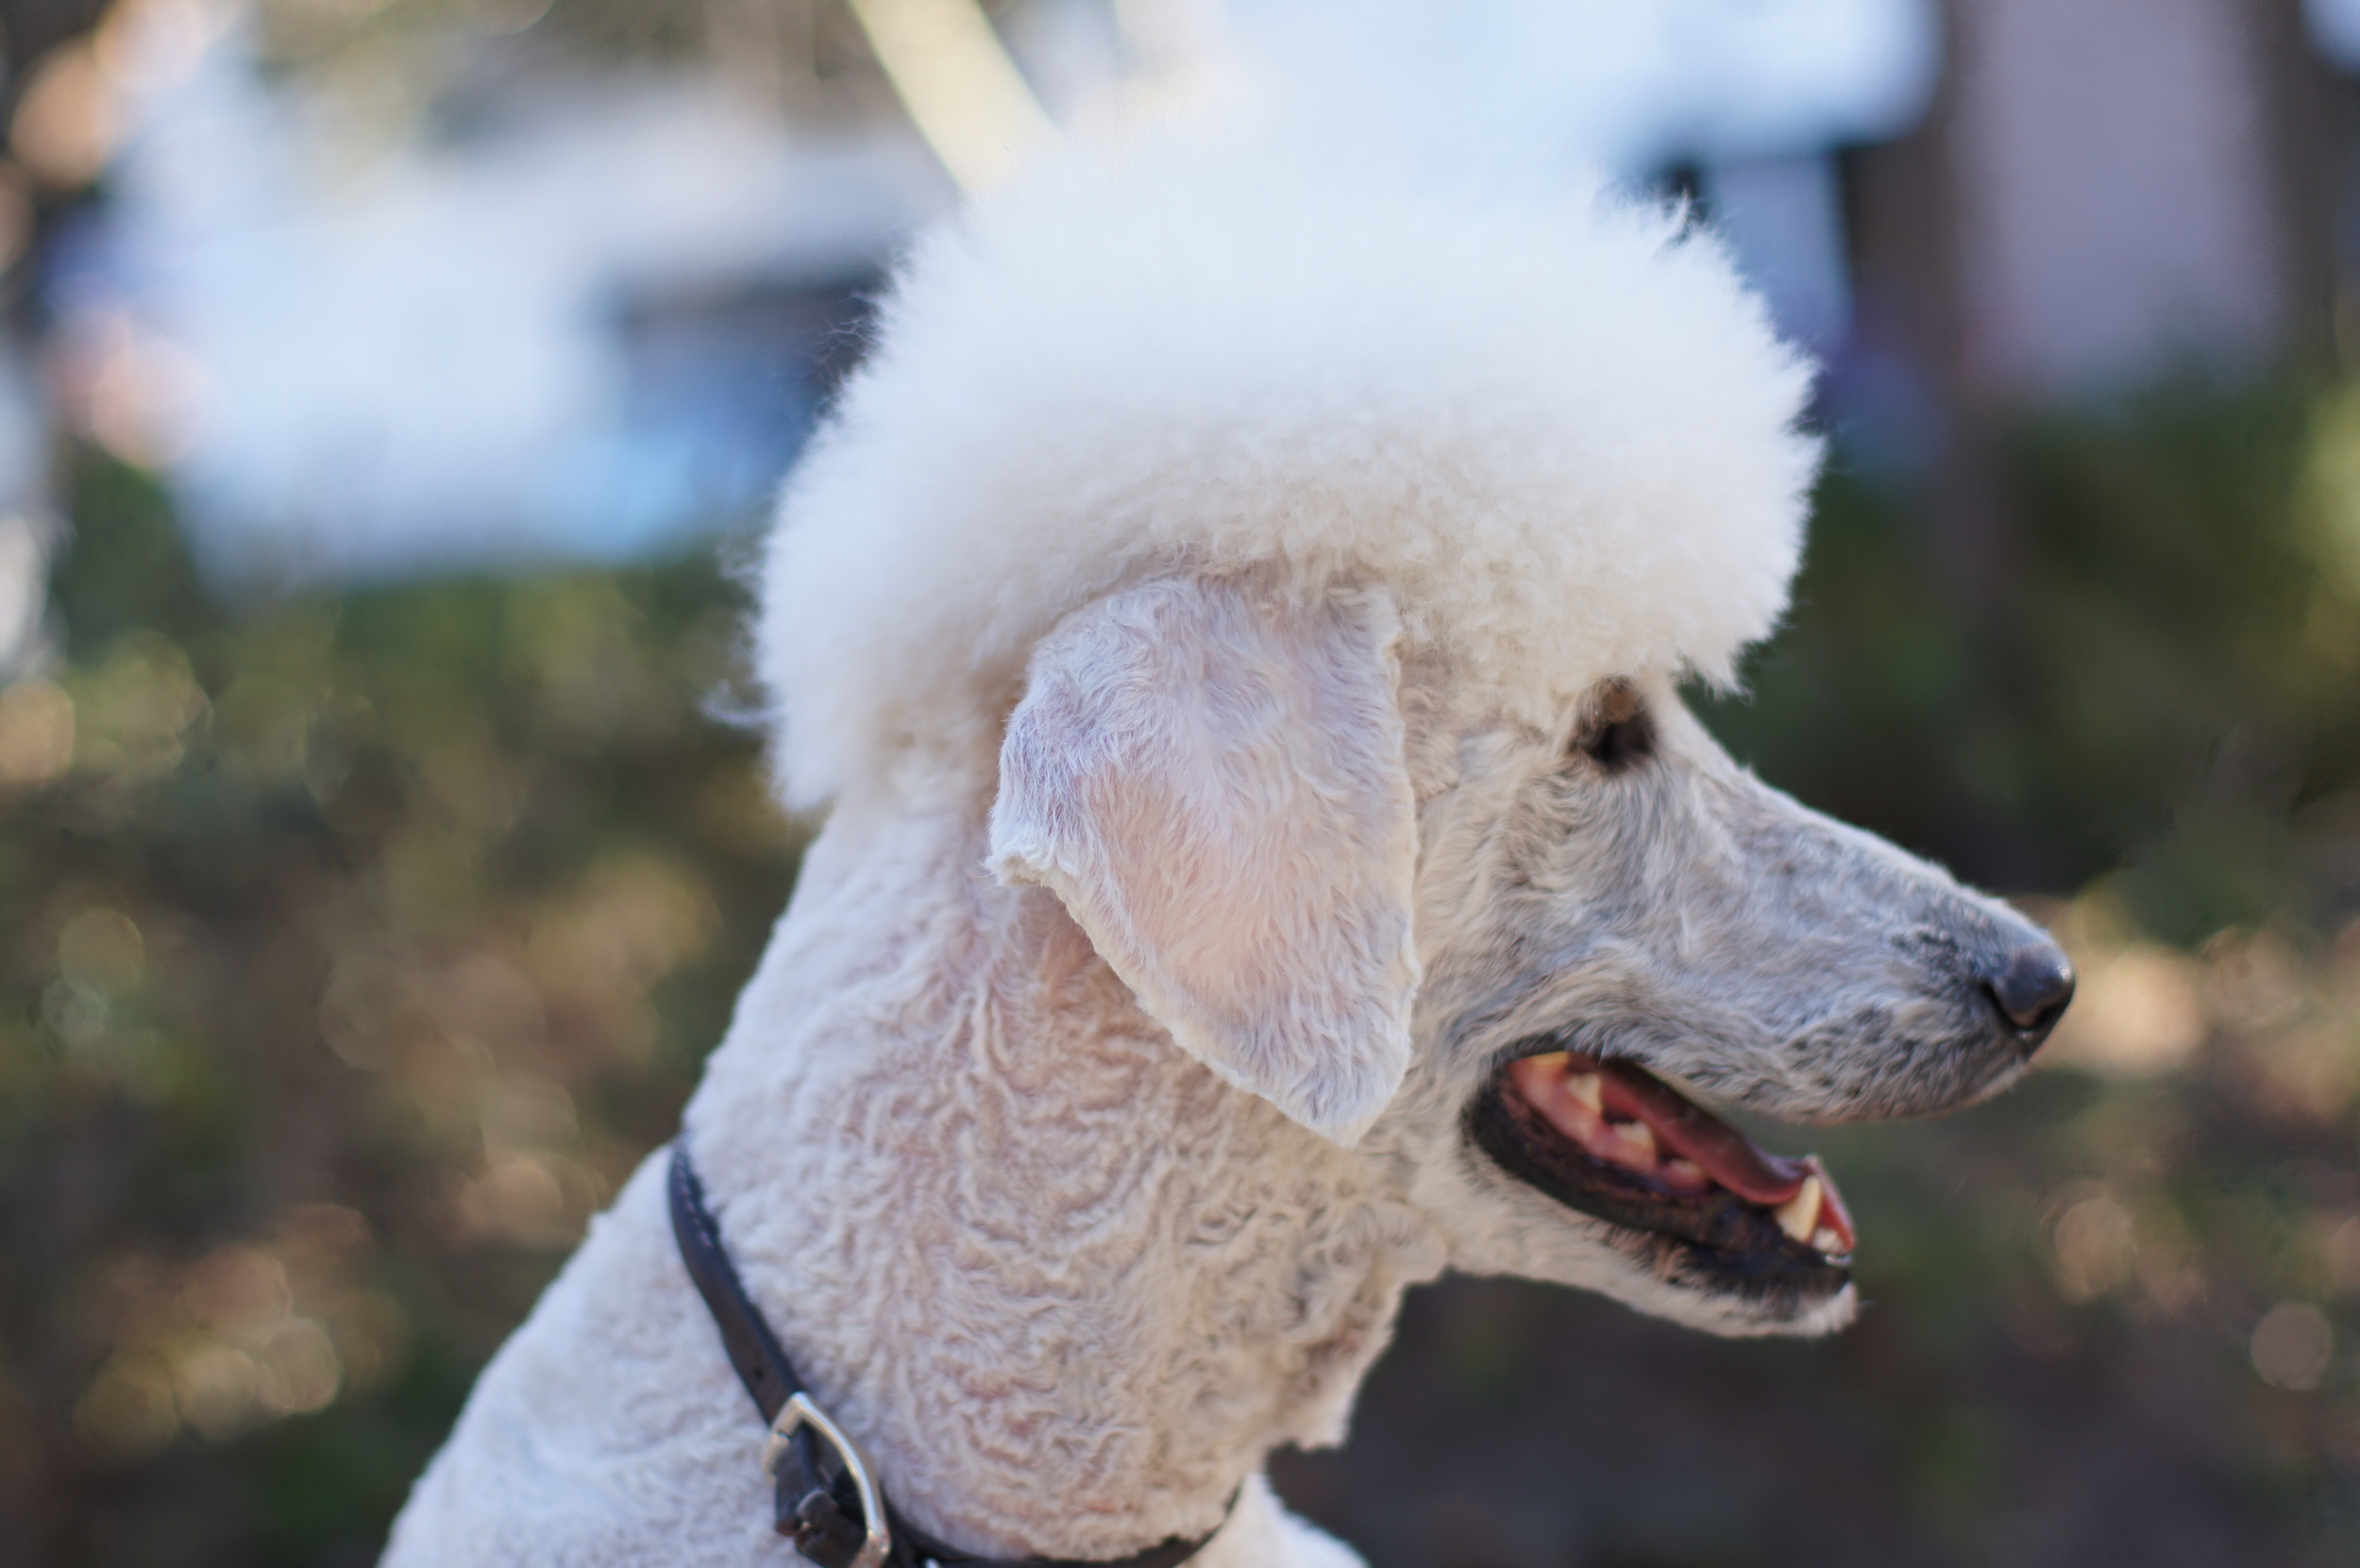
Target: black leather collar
<point>827,1502</point>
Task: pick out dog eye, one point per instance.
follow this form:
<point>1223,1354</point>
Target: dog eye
<point>1619,733</point>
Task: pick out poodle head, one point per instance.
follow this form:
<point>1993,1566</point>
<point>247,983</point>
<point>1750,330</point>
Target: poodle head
<point>1304,562</point>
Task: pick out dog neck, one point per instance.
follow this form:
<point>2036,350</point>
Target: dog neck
<point>1066,1287</point>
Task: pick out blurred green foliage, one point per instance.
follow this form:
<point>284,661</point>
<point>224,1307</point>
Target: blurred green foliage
<point>353,960</point>
<point>354,947</point>
<point>2139,663</point>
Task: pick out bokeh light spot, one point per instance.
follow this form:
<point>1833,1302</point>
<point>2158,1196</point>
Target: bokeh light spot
<point>2292,1346</point>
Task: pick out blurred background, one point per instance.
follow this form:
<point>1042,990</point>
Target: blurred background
<point>387,388</point>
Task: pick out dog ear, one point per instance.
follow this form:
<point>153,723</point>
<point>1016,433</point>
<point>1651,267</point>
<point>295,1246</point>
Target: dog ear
<point>1213,784</point>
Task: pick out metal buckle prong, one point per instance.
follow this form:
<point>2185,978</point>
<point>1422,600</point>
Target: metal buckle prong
<point>800,1412</point>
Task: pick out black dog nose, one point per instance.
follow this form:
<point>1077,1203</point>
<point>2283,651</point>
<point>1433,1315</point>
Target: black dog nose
<point>2030,986</point>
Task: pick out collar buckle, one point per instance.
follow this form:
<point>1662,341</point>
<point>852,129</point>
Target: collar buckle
<point>798,1414</point>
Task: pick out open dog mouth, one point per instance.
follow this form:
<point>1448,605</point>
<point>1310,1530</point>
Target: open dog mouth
<point>1610,1139</point>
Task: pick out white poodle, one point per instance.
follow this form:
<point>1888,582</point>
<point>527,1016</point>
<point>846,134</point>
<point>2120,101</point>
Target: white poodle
<point>1234,617</point>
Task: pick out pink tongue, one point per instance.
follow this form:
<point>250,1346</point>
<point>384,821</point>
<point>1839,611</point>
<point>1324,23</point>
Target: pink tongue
<point>1719,1150</point>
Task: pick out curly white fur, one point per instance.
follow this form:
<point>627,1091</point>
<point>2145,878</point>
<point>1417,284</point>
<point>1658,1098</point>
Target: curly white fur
<point>1559,428</point>
<point>1188,613</point>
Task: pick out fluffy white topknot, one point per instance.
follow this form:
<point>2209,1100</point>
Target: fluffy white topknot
<point>1555,427</point>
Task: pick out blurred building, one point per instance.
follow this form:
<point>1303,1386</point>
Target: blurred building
<point>2106,190</point>
<point>398,286</point>
<point>1745,104</point>
<point>512,306</point>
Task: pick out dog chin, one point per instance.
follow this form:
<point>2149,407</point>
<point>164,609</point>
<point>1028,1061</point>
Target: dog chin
<point>1724,1314</point>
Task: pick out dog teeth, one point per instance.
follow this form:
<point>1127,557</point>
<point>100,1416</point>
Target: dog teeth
<point>1589,1089</point>
<point>1827,1241</point>
<point>1638,1136</point>
<point>1683,1175</point>
<point>1799,1215</point>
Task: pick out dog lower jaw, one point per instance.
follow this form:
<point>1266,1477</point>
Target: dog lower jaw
<point>1730,1265</point>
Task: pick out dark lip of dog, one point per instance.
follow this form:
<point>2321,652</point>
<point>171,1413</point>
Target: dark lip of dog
<point>1685,1195</point>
